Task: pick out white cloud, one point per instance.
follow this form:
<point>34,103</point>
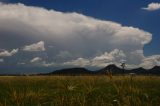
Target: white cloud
<point>72,32</point>
<point>115,57</point>
<point>99,61</point>
<point>72,35</point>
<point>103,60</point>
<point>1,60</point>
<point>80,62</point>
<point>112,56</point>
<point>150,61</point>
<point>152,7</point>
<point>51,64</point>
<point>35,47</point>
<point>6,53</point>
<point>36,59</point>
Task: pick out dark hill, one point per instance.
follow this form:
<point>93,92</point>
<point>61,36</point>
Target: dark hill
<point>72,71</point>
<point>155,70</point>
<point>139,71</point>
<point>110,68</point>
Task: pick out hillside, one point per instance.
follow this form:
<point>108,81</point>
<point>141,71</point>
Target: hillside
<point>110,68</point>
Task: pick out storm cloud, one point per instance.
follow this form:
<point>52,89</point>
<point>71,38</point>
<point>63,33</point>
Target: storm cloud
<point>79,39</point>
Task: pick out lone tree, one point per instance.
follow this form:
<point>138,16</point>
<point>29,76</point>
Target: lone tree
<point>123,65</point>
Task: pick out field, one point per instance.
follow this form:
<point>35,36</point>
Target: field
<point>79,91</point>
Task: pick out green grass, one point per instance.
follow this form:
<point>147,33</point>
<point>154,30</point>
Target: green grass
<point>80,91</point>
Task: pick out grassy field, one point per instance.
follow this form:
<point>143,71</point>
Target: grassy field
<point>80,91</point>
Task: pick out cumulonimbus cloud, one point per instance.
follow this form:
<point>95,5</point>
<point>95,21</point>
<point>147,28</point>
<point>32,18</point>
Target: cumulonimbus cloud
<point>152,7</point>
<point>85,39</point>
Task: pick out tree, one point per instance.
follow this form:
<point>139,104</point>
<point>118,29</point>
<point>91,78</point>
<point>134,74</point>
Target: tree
<point>123,65</point>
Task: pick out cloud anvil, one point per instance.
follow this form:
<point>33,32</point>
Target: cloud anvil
<point>49,38</point>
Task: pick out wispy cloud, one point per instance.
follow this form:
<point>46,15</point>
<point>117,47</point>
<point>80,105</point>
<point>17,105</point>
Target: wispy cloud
<point>152,7</point>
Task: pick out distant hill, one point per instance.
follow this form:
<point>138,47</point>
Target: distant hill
<point>110,68</point>
<point>155,70</point>
<point>71,71</point>
<point>139,71</point>
<point>77,71</point>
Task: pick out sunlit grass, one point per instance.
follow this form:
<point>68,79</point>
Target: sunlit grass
<point>80,91</point>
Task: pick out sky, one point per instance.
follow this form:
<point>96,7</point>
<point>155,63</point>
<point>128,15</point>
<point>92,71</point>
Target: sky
<point>75,33</point>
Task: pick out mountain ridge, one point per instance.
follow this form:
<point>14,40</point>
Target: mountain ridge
<point>110,68</point>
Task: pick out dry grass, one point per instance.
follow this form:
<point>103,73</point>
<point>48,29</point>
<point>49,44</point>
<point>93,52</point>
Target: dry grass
<point>80,91</point>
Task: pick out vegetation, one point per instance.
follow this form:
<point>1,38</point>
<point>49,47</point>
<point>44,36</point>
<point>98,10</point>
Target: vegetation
<point>80,91</point>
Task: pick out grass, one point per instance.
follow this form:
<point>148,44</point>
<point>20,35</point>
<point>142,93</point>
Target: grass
<point>79,91</point>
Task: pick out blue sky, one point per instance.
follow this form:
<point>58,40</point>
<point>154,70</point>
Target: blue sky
<point>85,33</point>
<point>126,12</point>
